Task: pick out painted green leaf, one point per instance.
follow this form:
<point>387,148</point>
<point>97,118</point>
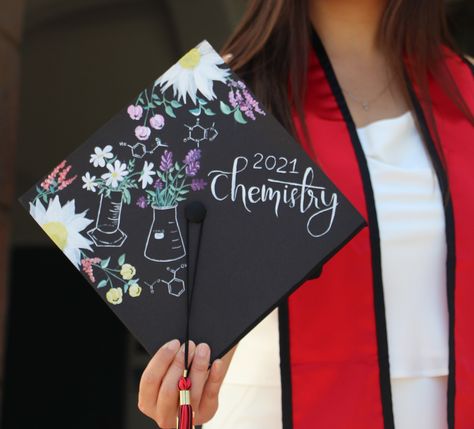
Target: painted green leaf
<point>238,117</point>
<point>195,111</point>
<point>201,101</point>
<point>102,283</point>
<point>126,196</point>
<point>105,263</point>
<point>175,104</point>
<point>121,259</point>
<point>169,111</point>
<point>180,199</point>
<point>125,287</point>
<point>209,112</point>
<point>225,108</point>
<point>176,165</point>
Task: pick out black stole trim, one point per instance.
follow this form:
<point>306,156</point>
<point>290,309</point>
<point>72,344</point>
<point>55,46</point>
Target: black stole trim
<point>379,304</point>
<point>285,368</point>
<point>450,240</point>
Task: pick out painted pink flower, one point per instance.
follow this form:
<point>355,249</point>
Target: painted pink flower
<point>157,122</point>
<point>87,264</point>
<point>45,184</point>
<point>135,112</point>
<point>67,182</point>
<point>58,178</point>
<point>142,132</point>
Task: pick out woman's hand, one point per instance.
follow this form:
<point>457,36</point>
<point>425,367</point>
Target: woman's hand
<point>159,396</point>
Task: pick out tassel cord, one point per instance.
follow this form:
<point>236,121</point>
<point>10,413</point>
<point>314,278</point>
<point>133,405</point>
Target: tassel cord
<point>190,282</point>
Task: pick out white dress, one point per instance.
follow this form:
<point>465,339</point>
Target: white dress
<point>413,259</point>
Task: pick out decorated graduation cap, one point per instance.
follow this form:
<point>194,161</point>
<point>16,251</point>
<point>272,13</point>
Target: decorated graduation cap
<point>192,212</point>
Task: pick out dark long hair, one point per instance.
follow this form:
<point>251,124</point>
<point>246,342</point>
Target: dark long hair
<point>270,49</point>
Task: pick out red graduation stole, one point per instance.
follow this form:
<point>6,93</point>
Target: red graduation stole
<point>333,339</point>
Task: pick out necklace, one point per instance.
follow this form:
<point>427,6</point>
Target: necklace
<point>365,103</point>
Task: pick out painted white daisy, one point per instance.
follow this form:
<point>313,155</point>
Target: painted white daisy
<point>89,182</point>
<point>116,174</point>
<point>145,175</point>
<point>100,156</point>
<point>63,225</point>
<point>195,71</point>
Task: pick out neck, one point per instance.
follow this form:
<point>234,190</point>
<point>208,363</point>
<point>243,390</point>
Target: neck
<point>347,28</point>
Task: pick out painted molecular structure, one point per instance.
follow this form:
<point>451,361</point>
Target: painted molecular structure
<point>175,285</point>
<point>139,150</point>
<point>197,133</point>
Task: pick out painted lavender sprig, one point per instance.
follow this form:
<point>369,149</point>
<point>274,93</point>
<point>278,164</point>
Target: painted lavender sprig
<point>241,102</point>
<point>174,180</point>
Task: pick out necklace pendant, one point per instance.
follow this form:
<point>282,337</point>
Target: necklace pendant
<point>365,106</point>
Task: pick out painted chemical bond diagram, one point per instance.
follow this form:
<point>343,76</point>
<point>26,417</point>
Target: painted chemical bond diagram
<point>175,285</point>
<point>197,133</point>
<point>139,150</point>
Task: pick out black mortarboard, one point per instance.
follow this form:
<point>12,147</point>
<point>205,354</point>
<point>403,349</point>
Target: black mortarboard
<point>193,180</point>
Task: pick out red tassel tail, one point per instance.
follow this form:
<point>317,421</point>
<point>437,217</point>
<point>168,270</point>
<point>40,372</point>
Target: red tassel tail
<point>185,418</point>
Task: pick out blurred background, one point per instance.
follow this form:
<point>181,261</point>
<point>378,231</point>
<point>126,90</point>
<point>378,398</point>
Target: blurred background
<point>67,66</point>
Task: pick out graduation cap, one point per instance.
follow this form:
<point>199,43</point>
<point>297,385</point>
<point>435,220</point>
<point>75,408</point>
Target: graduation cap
<point>192,212</point>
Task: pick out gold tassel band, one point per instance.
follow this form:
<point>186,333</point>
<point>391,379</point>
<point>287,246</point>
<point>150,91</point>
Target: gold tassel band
<point>184,397</point>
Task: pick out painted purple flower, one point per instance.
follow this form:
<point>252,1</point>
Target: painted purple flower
<point>166,160</point>
<point>158,184</point>
<point>135,112</point>
<point>198,184</point>
<point>157,122</point>
<point>240,98</point>
<point>235,98</point>
<point>192,168</point>
<point>142,132</point>
<point>192,156</point>
<point>141,202</point>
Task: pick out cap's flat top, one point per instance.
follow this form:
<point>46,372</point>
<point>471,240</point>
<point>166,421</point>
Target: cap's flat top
<point>116,207</point>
